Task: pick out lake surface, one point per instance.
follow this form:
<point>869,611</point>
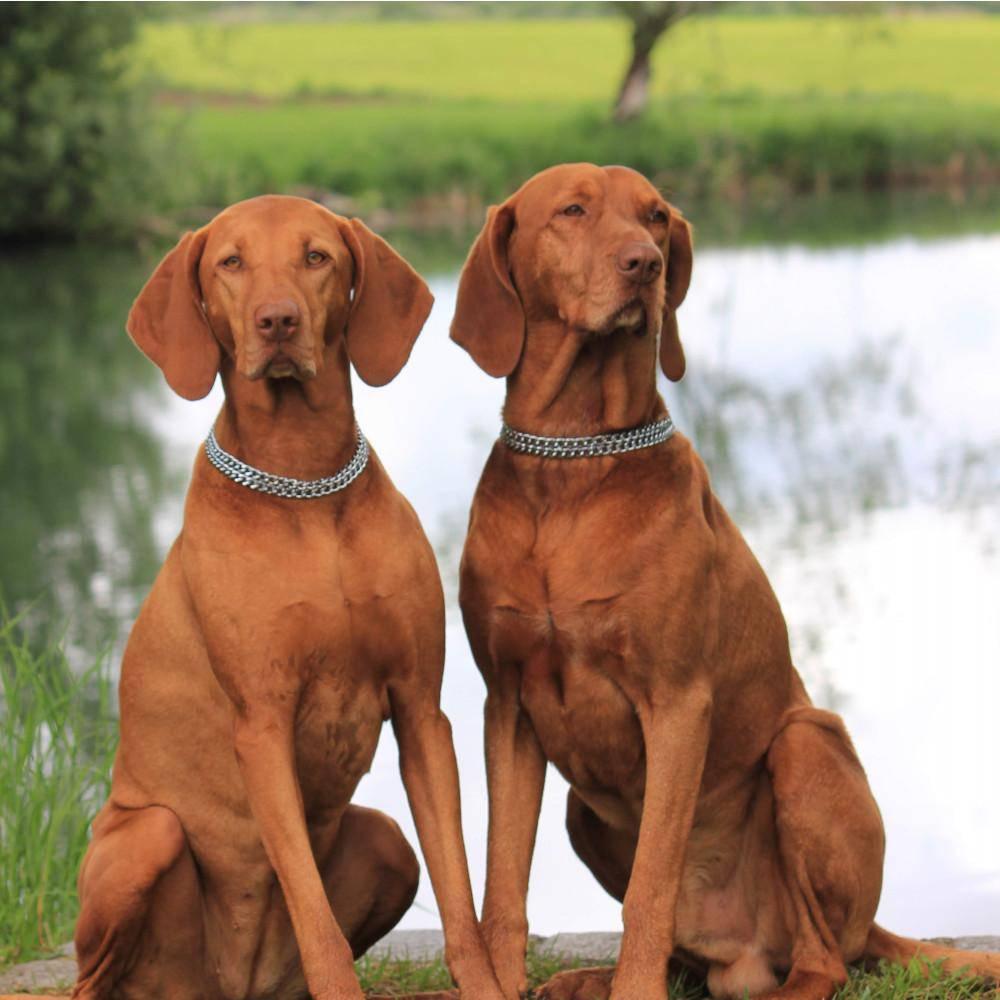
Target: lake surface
<point>843,363</point>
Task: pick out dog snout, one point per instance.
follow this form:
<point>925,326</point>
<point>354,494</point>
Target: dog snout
<point>639,262</point>
<point>277,320</point>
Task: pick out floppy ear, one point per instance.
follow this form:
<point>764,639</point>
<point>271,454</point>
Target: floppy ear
<point>489,320</point>
<point>169,326</point>
<point>390,305</point>
<point>679,262</point>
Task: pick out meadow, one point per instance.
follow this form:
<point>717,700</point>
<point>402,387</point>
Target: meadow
<point>449,114</point>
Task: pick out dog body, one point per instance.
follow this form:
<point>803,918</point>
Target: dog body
<point>279,635</point>
<point>627,634</point>
<point>341,626</point>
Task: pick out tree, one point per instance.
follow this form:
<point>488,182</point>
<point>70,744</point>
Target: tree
<point>74,130</point>
<point>649,22</point>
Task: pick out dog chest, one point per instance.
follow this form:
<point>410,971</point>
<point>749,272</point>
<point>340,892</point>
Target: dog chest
<point>336,734</point>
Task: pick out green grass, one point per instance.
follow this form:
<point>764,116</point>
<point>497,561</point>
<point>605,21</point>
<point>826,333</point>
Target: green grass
<point>396,154</point>
<point>390,976</point>
<point>576,60</point>
<point>57,740</point>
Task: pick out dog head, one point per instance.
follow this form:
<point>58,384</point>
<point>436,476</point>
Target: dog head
<point>596,248</point>
<point>272,283</point>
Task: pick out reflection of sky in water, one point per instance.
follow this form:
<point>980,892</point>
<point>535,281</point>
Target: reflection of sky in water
<point>845,402</point>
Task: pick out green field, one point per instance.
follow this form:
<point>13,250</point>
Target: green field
<point>574,60</point>
<point>412,114</point>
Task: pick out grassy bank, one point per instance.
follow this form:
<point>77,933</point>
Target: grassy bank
<point>440,117</point>
<point>406,154</point>
<point>57,743</point>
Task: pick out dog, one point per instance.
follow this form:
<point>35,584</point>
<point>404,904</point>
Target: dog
<point>626,633</point>
<point>299,608</point>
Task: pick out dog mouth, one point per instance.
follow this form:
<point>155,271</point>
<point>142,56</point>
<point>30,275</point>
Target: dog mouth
<point>630,318</point>
<point>280,364</point>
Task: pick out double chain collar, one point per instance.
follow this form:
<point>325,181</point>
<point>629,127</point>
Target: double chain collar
<point>615,443</point>
<point>285,486</point>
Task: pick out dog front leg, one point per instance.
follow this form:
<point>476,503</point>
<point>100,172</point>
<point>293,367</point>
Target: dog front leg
<point>515,771</point>
<point>675,728</point>
<point>264,749</point>
<point>430,776</point>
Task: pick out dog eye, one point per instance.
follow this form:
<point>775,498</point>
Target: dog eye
<point>315,257</point>
<point>231,263</point>
<point>657,215</point>
<point>573,210</point>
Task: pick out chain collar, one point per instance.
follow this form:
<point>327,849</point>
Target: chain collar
<point>285,486</point>
<point>615,443</point>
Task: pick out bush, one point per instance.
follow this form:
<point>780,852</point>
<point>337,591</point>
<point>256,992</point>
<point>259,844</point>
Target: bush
<point>74,137</point>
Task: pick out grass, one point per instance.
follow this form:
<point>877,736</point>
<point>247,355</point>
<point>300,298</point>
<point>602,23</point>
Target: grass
<point>396,154</point>
<point>57,740</point>
<point>443,116</point>
<point>388,976</point>
<point>569,61</point>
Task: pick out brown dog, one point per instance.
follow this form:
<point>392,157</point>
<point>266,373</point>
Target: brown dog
<point>279,635</point>
<point>627,634</point>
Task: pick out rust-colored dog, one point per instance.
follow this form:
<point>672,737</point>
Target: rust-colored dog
<point>277,638</point>
<point>627,634</point>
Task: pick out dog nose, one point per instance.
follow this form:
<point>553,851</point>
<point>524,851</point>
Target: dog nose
<point>640,262</point>
<point>277,320</point>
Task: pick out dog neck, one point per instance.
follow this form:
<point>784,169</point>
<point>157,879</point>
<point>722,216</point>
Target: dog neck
<point>305,430</point>
<point>569,383</point>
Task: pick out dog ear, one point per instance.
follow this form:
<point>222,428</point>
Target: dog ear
<point>489,320</point>
<point>168,324</point>
<point>391,303</point>
<point>678,277</point>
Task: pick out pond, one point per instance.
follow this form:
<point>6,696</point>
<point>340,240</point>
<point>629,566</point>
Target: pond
<point>843,358</point>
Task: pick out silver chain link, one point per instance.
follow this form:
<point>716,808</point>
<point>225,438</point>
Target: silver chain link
<point>588,447</point>
<point>285,486</point>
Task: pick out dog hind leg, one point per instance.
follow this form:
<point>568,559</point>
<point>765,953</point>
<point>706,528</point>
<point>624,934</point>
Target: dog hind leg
<point>138,886</point>
<point>831,846</point>
<point>371,878</point>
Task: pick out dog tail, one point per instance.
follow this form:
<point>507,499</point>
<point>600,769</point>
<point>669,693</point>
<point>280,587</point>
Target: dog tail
<point>882,944</point>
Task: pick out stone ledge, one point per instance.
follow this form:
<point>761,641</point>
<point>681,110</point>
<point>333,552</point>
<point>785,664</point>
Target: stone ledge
<point>58,973</point>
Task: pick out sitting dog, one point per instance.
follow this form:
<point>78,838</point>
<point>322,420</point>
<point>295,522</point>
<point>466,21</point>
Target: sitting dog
<point>299,609</point>
<point>627,634</point>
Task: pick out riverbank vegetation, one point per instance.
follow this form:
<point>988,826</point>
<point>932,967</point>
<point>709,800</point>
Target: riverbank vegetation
<point>57,737</point>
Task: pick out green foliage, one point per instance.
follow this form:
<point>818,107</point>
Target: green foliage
<point>395,153</point>
<point>75,154</point>
<point>57,740</point>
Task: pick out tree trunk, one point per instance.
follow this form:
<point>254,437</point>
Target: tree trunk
<point>649,22</point>
<point>634,90</point>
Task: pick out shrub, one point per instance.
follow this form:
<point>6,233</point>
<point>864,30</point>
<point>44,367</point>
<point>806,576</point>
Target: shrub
<point>75,152</point>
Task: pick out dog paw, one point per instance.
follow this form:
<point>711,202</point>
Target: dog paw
<point>578,984</point>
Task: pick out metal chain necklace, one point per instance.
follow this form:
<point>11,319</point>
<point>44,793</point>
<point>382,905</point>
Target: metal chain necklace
<point>285,486</point>
<point>614,443</point>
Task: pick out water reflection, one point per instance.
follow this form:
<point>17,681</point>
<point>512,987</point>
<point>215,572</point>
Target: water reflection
<point>842,396</point>
<point>79,470</point>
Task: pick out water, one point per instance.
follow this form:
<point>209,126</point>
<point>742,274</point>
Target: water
<point>842,367</point>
